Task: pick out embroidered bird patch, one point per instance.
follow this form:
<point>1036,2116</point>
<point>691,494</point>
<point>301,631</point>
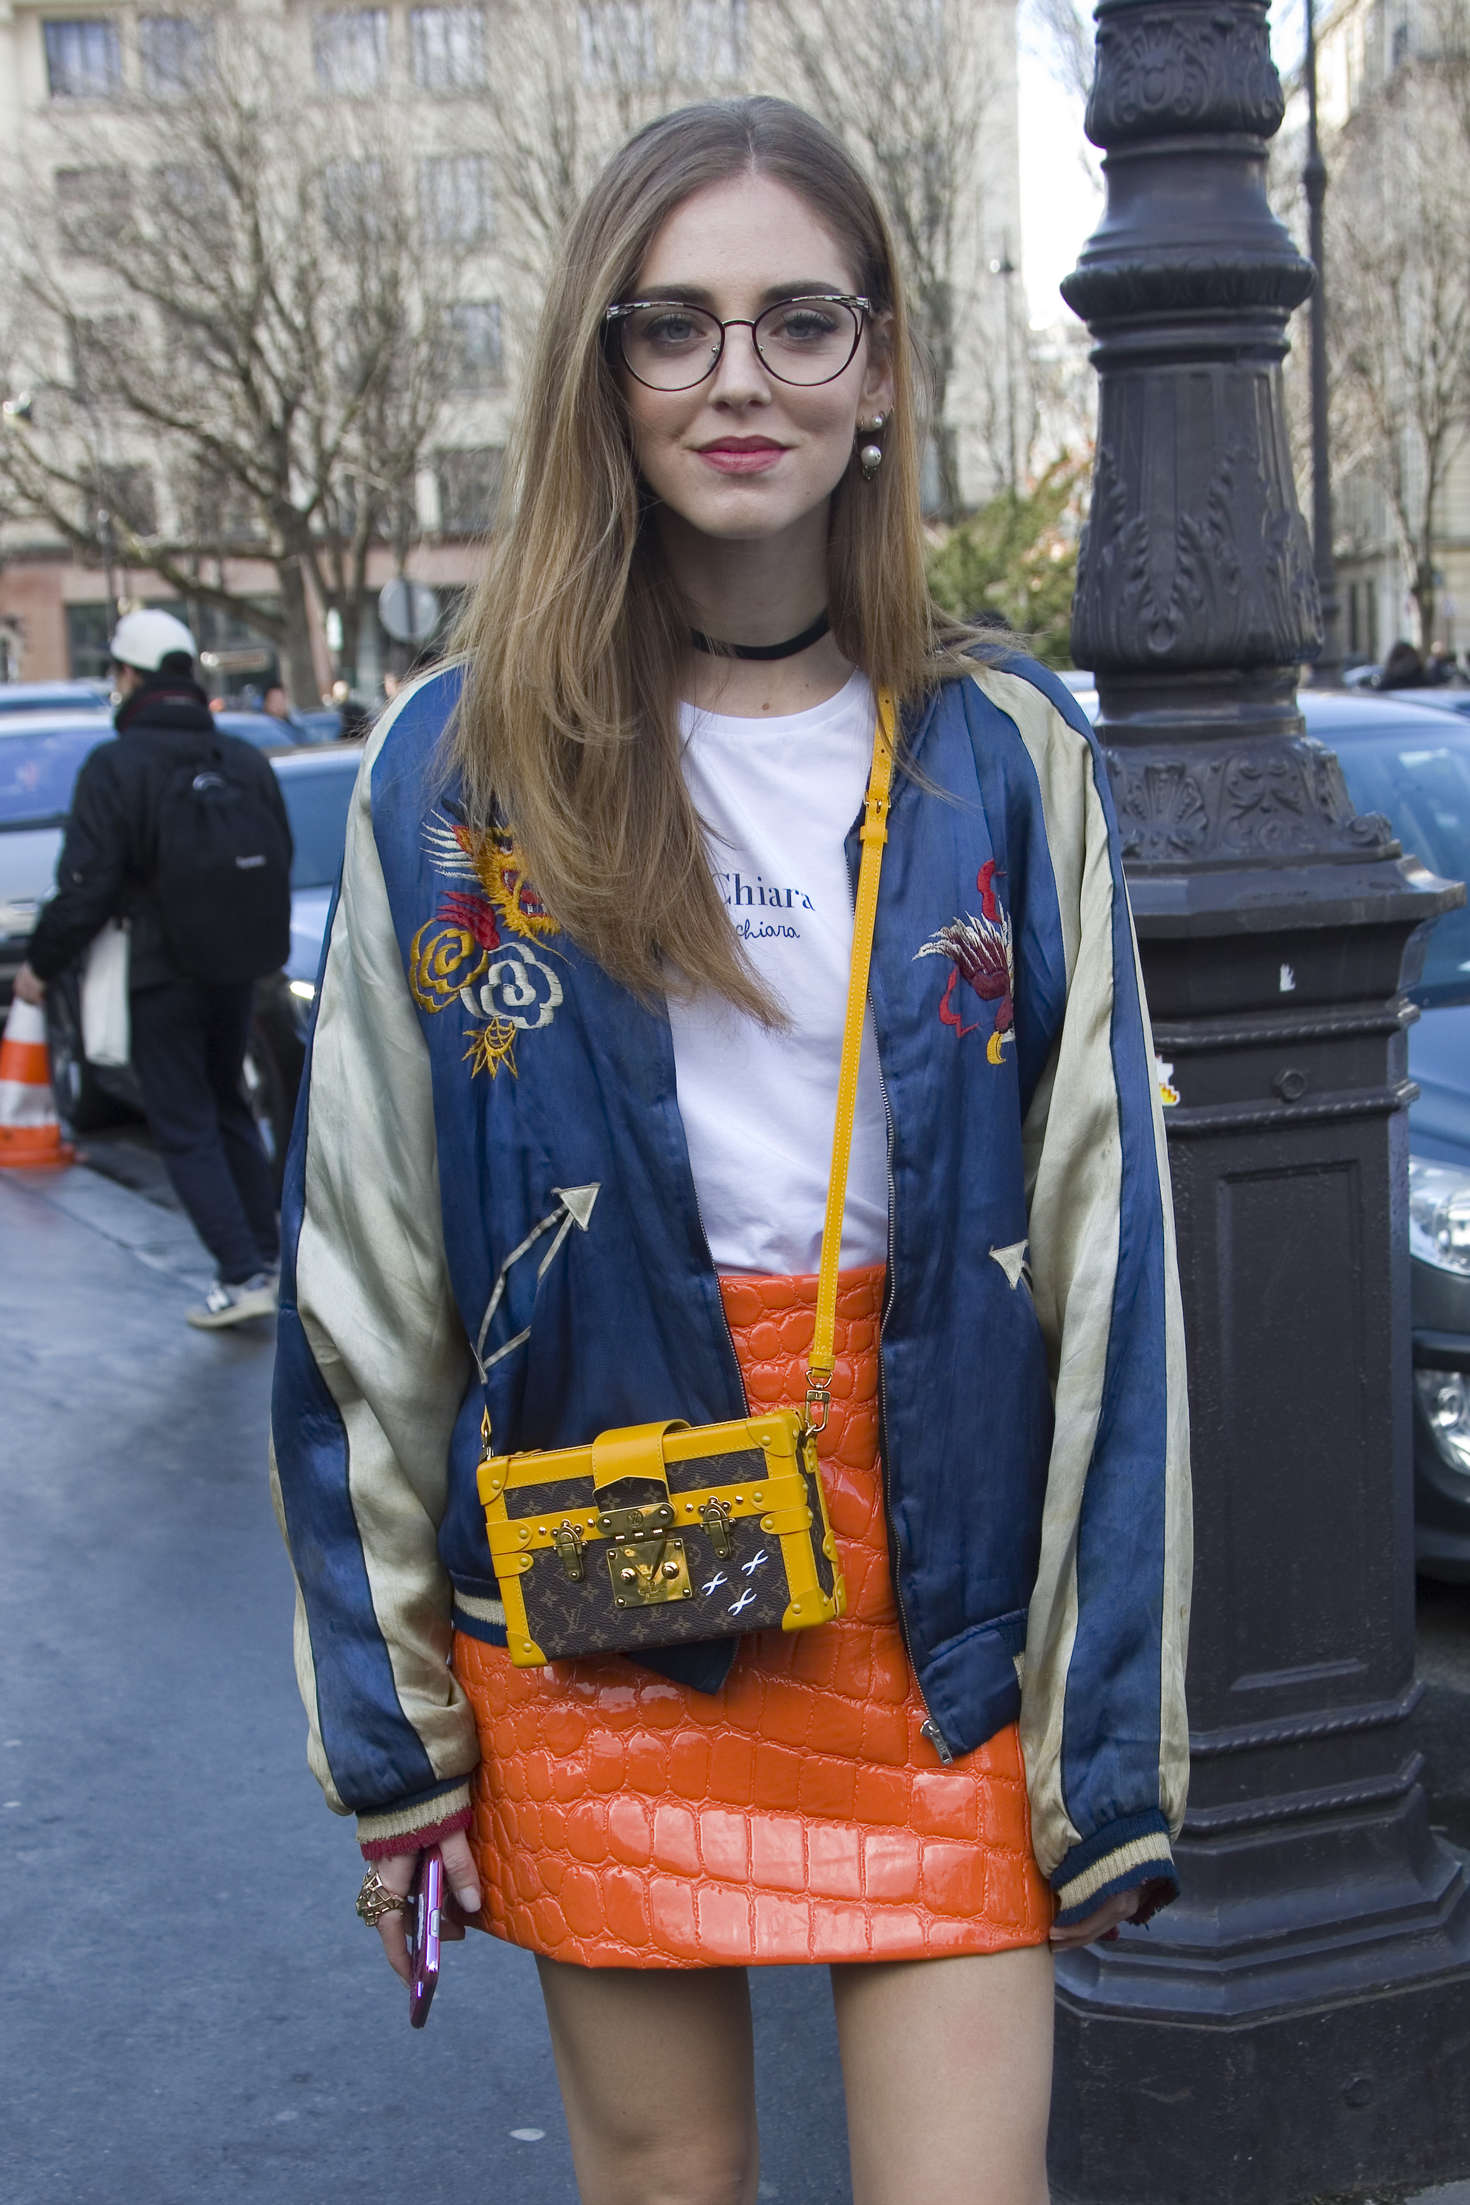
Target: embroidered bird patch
<point>980,949</point>
<point>478,948</point>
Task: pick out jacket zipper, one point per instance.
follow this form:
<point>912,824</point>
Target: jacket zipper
<point>929,1728</point>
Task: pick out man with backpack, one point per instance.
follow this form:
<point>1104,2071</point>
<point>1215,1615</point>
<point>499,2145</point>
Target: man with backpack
<point>181,832</point>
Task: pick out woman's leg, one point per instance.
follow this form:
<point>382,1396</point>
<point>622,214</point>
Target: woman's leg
<point>947,2069</point>
<point>658,2082</point>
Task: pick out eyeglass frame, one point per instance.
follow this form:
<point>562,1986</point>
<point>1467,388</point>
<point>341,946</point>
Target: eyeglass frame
<point>860,308</point>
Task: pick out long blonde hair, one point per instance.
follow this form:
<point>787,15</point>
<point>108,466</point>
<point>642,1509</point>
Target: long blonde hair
<point>577,634</point>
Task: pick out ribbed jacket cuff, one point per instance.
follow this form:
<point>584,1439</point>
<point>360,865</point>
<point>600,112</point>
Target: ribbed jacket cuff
<point>417,1823</point>
<point>1123,1856</point>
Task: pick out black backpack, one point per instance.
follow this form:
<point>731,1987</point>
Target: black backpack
<point>224,867</point>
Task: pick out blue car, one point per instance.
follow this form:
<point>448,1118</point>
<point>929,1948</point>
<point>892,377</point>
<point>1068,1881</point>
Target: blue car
<point>55,696</point>
<point>1412,763</point>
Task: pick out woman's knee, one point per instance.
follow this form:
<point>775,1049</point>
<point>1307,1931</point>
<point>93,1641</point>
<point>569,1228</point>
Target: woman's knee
<point>658,2083</point>
<point>674,2167</point>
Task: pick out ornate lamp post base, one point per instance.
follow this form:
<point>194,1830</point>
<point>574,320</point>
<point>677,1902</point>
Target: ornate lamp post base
<point>1297,2022</point>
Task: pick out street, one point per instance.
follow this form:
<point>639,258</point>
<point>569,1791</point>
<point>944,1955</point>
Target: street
<point>204,2018</point>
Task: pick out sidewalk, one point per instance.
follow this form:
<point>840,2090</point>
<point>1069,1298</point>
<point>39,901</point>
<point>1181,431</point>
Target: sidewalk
<point>160,1237</point>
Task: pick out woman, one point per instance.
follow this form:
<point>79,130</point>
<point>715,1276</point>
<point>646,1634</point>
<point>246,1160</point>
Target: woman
<point>563,1165</point>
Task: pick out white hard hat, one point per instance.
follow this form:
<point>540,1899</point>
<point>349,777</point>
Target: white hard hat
<point>145,639</point>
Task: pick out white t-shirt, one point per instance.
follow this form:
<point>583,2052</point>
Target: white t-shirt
<point>779,797</point>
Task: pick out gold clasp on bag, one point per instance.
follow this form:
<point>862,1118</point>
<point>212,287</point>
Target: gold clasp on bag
<point>568,1544</point>
<point>650,1521</point>
<point>645,1575</point>
<point>715,1517</point>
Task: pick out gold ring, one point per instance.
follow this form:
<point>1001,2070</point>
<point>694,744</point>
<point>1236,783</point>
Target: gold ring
<point>375,1900</point>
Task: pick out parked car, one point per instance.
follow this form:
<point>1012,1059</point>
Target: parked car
<point>1405,755</point>
<point>321,724</point>
<point>55,696</point>
<point>263,730</point>
<point>1447,699</point>
<point>40,756</point>
<point>37,771</point>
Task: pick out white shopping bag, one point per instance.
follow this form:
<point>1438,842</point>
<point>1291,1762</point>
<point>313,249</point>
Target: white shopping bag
<point>106,1029</point>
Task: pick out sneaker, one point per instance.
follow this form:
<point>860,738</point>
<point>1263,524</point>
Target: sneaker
<point>235,1305</point>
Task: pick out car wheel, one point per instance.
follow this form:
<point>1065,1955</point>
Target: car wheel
<point>265,1091</point>
<point>82,1104</point>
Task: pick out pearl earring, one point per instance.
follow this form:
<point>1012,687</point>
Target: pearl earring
<point>870,456</point>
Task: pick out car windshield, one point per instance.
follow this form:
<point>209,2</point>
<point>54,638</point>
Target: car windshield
<point>316,805</point>
<point>1423,787</point>
<point>39,771</point>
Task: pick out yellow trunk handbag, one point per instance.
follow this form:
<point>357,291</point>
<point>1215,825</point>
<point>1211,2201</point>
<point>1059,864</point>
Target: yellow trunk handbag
<point>667,1534</point>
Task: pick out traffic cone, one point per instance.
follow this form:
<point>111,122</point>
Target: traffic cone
<point>30,1132</point>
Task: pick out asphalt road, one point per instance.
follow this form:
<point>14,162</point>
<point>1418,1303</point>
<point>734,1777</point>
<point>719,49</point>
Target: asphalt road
<point>194,2014</point>
<point>195,2017</point>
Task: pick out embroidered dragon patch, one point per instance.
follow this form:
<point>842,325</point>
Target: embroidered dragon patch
<point>983,957</point>
<point>479,948</point>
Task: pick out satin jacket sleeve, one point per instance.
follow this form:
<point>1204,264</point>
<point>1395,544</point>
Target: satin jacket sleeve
<point>1103,1717</point>
<point>371,1367</point>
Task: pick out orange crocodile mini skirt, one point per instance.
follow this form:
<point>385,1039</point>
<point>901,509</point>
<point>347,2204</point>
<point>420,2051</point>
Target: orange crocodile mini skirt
<point>623,1820</point>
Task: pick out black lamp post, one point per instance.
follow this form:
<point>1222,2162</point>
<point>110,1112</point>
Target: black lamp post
<point>1328,668</point>
<point>1297,2022</point>
<point>1007,270</point>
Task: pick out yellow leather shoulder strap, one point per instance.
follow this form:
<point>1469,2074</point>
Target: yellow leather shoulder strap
<point>874,833</point>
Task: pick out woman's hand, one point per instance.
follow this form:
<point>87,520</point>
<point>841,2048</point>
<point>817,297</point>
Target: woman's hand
<point>398,1872</point>
<point>29,988</point>
<point>1102,1922</point>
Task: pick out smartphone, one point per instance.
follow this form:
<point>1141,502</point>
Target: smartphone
<point>423,1935</point>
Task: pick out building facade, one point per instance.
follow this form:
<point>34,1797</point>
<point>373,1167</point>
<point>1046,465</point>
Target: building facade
<point>1393,79</point>
<point>456,137</point>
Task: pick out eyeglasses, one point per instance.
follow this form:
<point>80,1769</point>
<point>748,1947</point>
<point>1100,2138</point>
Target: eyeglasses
<point>669,346</point>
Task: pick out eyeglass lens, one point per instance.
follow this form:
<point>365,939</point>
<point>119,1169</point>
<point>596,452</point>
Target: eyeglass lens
<point>800,340</point>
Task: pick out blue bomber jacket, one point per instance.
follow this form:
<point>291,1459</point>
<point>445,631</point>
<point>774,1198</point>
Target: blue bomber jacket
<point>491,1227</point>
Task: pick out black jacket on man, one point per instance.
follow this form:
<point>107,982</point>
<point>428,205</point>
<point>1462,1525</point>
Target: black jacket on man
<point>108,863</point>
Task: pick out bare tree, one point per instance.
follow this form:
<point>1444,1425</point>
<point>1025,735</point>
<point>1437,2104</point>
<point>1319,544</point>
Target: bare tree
<point>587,74</point>
<point>1061,32</point>
<point>1400,311</point>
<point>909,88</point>
<point>247,314</point>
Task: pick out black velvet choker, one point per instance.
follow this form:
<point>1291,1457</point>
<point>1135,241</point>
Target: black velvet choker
<point>789,649</point>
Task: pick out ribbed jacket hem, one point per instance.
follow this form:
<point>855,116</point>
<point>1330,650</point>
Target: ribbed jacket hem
<point>1121,1857</point>
<point>419,1822</point>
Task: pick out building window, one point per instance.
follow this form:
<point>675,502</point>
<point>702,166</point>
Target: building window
<point>128,496</point>
<point>176,52</point>
<point>96,342</point>
<point>715,41</point>
<point>350,49</point>
<point>475,360</point>
<point>220,511</point>
<point>93,208</point>
<point>469,487</point>
<point>352,198</point>
<point>191,193</point>
<point>88,632</point>
<point>448,49</point>
<point>458,208</point>
<point>83,58</point>
<point>616,43</point>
